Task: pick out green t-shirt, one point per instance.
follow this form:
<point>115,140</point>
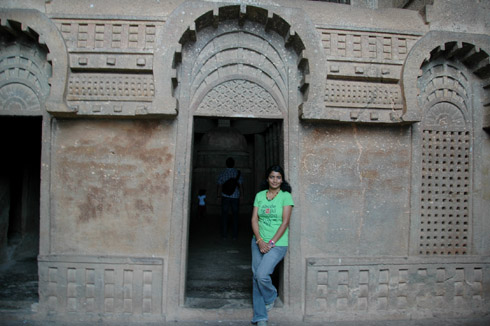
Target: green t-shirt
<point>270,215</point>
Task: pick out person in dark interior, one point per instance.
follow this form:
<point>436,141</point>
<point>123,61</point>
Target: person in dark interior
<point>201,206</point>
<point>229,199</point>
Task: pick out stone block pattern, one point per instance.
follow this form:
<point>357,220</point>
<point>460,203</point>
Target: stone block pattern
<point>103,35</point>
<point>354,94</point>
<point>366,46</point>
<point>360,287</point>
<point>94,285</point>
<point>111,65</point>
<point>110,86</point>
<point>363,73</point>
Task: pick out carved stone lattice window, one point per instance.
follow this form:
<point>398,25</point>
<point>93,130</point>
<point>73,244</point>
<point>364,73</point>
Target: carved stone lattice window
<point>446,160</point>
<point>445,195</point>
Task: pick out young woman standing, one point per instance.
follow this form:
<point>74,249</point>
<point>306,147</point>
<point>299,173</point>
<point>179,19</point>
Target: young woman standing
<point>270,224</point>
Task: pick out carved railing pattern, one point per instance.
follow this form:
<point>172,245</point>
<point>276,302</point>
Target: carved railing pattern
<point>101,285</point>
<point>359,287</point>
<point>111,63</point>
<point>363,73</point>
<point>104,87</point>
<point>104,35</point>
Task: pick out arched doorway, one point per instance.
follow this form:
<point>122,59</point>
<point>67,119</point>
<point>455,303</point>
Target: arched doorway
<point>24,88</point>
<point>238,67</point>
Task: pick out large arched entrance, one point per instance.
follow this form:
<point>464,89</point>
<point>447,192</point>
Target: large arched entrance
<point>238,83</point>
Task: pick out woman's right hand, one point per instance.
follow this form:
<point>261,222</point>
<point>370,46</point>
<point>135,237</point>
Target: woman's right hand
<point>264,247</point>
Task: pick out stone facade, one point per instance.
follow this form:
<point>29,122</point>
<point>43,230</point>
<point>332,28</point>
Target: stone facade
<point>379,115</point>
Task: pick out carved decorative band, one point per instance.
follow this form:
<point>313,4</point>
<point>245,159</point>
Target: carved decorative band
<point>106,87</point>
<point>100,285</point>
<point>368,46</point>
<point>239,98</point>
<point>353,94</point>
<point>105,35</point>
<point>337,288</point>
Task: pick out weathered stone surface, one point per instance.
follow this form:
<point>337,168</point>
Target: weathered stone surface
<point>379,115</point>
<point>101,285</point>
<point>111,178</point>
<point>357,177</point>
<point>402,288</point>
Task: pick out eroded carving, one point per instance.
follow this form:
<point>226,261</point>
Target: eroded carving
<point>371,46</point>
<point>24,75</point>
<point>238,98</point>
<point>446,158</point>
<point>364,69</point>
<point>90,285</point>
<point>361,287</point>
<point>103,87</point>
<point>352,94</point>
<point>104,35</point>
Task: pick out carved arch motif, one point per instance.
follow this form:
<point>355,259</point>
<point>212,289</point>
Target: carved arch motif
<point>470,50</point>
<point>38,42</point>
<point>24,75</point>
<point>449,98</point>
<point>446,174</point>
<point>241,55</point>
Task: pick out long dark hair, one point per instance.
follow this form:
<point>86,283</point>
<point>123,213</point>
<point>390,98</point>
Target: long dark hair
<point>285,186</point>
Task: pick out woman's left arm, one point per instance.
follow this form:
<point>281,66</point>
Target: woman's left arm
<point>286,216</point>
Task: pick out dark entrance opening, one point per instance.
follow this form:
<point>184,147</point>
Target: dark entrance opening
<point>20,166</point>
<point>219,270</point>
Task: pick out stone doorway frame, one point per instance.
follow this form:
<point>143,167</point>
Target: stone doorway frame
<point>266,149</point>
<point>176,309</point>
<point>189,103</point>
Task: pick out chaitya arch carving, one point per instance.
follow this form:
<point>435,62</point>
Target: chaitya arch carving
<point>451,102</point>
<point>471,50</point>
<point>31,79</point>
<point>240,66</point>
<point>192,18</point>
<point>24,74</point>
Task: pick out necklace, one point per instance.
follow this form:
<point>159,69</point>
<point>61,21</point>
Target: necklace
<point>273,195</point>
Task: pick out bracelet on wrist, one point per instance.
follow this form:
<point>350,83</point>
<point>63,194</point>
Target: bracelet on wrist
<point>257,242</point>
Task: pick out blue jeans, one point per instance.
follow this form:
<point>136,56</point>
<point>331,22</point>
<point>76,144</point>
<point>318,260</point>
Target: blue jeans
<point>263,266</point>
<point>226,204</point>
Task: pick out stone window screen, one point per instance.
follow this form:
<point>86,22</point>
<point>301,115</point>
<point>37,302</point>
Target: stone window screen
<point>445,162</point>
<point>444,200</point>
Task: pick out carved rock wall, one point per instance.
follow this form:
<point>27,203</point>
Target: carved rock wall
<point>382,117</point>
<point>363,78</point>
<point>111,64</point>
<point>24,75</point>
<point>94,286</point>
<point>398,289</point>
